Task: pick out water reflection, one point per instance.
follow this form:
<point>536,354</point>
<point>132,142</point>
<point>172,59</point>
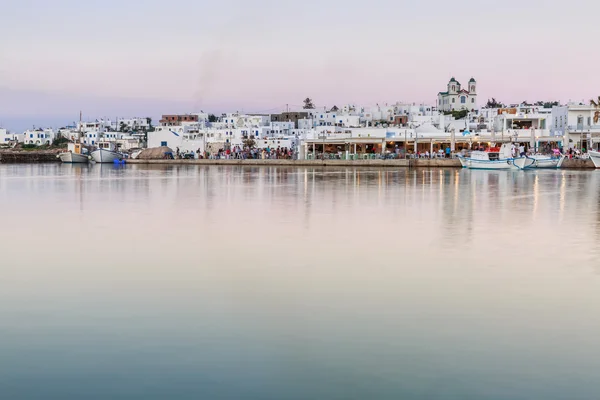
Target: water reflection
<point>295,283</point>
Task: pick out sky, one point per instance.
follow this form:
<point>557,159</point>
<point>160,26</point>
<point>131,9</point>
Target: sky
<point>120,58</point>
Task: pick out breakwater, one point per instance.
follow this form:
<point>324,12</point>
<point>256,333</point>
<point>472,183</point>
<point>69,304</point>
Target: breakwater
<point>28,157</point>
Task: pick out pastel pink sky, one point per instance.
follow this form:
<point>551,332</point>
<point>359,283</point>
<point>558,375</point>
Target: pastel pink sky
<point>127,58</point>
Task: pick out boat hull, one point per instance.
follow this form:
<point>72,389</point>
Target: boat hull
<point>539,162</point>
<point>595,156</point>
<point>485,164</point>
<point>72,158</point>
<point>106,156</point>
<point>523,162</point>
<point>463,161</point>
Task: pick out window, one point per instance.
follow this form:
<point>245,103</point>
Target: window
<point>472,100</point>
<point>163,144</point>
<point>453,100</point>
<point>463,99</point>
<point>453,87</point>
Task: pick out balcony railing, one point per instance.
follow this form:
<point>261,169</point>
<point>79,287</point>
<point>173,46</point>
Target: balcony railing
<point>584,127</point>
<point>328,136</point>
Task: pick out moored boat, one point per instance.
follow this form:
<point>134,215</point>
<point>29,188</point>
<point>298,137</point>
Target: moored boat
<point>74,154</point>
<point>539,161</point>
<point>595,156</point>
<point>105,154</point>
<point>493,158</point>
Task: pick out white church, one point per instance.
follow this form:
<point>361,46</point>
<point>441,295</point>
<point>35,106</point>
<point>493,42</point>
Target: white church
<point>457,98</point>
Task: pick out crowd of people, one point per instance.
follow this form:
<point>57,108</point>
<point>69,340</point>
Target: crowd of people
<point>239,153</point>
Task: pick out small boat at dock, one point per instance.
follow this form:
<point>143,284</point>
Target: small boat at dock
<point>595,157</point>
<point>539,161</point>
<point>74,154</point>
<point>492,158</point>
<point>106,154</point>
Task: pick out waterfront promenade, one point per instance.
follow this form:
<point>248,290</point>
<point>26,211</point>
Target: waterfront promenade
<point>404,163</point>
<point>27,157</point>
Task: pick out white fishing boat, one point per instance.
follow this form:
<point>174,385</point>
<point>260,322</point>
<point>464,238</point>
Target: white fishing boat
<point>106,153</point>
<point>493,158</point>
<point>595,156</point>
<point>539,161</point>
<point>74,154</point>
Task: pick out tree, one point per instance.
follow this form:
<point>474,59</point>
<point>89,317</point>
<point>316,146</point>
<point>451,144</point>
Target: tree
<point>457,114</point>
<point>334,109</point>
<point>308,104</point>
<point>597,113</point>
<point>249,143</point>
<point>122,127</point>
<point>494,104</point>
<point>547,104</point>
<point>525,103</point>
<point>212,118</point>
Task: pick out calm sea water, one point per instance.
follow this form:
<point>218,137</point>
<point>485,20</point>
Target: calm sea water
<point>298,283</point>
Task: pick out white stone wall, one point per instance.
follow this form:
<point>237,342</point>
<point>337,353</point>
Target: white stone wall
<point>163,136</point>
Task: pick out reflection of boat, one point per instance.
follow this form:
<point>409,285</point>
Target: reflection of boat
<point>106,154</point>
<point>539,161</point>
<point>74,154</point>
<point>595,156</point>
<point>493,158</point>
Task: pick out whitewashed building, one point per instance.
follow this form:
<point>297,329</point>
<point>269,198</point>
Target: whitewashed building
<point>458,98</point>
<point>39,137</point>
<point>131,124</point>
<point>7,138</point>
<point>578,124</point>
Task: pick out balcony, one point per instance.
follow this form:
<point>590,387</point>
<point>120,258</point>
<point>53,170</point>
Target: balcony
<point>328,136</point>
<point>584,128</point>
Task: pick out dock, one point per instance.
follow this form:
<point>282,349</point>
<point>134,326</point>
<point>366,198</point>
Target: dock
<point>49,156</point>
<point>401,163</point>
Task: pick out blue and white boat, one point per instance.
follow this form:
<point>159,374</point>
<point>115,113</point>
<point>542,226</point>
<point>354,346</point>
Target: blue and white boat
<point>539,161</point>
<point>493,158</point>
